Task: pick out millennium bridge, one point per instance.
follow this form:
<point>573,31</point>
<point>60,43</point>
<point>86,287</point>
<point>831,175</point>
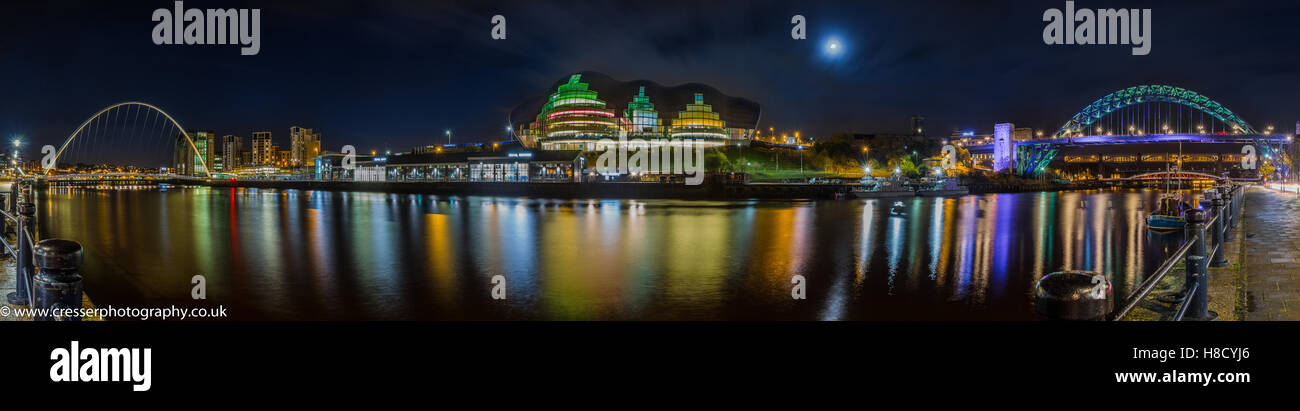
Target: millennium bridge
<point>118,179</point>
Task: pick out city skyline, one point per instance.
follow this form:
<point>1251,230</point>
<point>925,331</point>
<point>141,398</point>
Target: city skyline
<point>338,176</point>
<point>401,94</point>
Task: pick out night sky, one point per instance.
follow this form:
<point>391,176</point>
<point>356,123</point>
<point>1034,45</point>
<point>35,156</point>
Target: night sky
<point>396,75</point>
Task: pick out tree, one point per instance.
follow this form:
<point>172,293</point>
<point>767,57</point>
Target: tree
<point>716,161</point>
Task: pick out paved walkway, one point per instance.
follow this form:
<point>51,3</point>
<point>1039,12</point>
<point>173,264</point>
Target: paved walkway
<point>1272,249</point>
<point>7,285</point>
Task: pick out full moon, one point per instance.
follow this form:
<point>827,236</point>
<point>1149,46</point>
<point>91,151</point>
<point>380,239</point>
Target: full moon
<point>832,47</point>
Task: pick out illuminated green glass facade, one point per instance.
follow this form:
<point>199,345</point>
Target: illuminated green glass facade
<point>699,123</point>
<point>201,143</point>
<point>573,118</point>
<point>641,117</point>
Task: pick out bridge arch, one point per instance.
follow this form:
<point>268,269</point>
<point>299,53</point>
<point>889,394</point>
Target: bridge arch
<point>1147,94</point>
<point>207,171</point>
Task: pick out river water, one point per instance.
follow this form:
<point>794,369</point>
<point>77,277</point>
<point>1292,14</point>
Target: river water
<point>319,255</point>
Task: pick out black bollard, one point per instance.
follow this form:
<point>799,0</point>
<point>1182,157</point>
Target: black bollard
<point>1074,296</point>
<point>1198,308</point>
<point>22,267</point>
<point>57,284</point>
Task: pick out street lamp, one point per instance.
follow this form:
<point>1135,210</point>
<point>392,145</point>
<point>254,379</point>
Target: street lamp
<point>18,142</point>
<point>448,133</point>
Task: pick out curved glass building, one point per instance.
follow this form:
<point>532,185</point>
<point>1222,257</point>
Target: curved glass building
<point>700,124</point>
<point>573,118</point>
<point>641,117</point>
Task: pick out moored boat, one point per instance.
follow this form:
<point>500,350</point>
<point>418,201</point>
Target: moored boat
<point>1169,215</point>
<point>945,188</point>
<point>882,189</point>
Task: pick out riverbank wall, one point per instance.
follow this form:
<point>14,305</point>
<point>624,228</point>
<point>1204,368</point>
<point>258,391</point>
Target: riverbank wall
<point>719,191</point>
<point>708,190</point>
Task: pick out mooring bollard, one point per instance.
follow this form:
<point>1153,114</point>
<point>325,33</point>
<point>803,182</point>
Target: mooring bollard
<point>1216,230</point>
<point>57,284</point>
<point>1198,307</point>
<point>23,266</point>
<point>1074,296</point>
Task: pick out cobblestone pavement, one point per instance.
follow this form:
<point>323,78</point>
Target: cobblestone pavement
<point>7,285</point>
<point>1272,229</point>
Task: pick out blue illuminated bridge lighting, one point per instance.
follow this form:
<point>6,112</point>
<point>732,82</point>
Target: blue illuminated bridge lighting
<point>1147,139</point>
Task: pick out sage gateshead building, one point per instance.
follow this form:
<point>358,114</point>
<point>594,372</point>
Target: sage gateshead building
<point>578,114</point>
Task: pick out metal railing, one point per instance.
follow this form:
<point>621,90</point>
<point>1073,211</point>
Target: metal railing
<point>1087,295</point>
<point>1203,248</point>
<point>46,273</point>
<point>19,211</point>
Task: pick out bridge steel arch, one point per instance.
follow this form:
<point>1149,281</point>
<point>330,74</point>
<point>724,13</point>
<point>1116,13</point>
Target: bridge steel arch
<point>206,170</point>
<point>1149,94</point>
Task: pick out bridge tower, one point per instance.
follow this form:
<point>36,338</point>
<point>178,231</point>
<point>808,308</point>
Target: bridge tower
<point>1004,150</point>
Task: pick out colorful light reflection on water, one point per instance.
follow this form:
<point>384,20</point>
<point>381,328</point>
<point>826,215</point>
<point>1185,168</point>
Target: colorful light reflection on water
<point>289,254</point>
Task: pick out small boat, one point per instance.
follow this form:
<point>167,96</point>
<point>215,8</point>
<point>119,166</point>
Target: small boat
<point>882,189</point>
<point>946,188</point>
<point>1169,216</point>
<point>897,209</point>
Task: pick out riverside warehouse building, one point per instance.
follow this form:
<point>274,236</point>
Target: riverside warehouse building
<point>575,117</point>
<point>557,166</point>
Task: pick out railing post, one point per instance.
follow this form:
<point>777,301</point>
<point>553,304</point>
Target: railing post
<point>57,284</point>
<point>4,222</point>
<point>1229,205</point>
<point>1234,200</point>
<point>14,191</point>
<point>22,268</point>
<point>1216,230</point>
<point>1225,193</point>
<point>1198,307</point>
<point>1074,296</point>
